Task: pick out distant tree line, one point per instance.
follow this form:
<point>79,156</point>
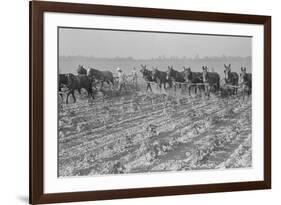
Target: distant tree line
<point>163,58</point>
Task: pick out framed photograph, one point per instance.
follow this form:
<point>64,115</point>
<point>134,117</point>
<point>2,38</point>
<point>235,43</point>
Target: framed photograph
<point>132,102</point>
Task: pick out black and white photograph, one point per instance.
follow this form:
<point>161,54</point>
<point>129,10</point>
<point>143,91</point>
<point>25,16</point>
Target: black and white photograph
<point>146,101</point>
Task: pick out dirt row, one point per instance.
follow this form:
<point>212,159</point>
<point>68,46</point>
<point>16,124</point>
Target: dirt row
<point>153,132</point>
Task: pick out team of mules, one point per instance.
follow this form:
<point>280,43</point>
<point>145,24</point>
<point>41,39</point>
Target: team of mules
<point>206,80</point>
<point>86,79</point>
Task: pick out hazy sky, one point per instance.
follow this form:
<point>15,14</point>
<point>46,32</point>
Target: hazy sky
<point>105,43</point>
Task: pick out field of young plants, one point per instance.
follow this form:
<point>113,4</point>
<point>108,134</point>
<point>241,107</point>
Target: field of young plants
<point>137,132</point>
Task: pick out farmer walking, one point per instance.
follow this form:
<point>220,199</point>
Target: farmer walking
<point>121,79</point>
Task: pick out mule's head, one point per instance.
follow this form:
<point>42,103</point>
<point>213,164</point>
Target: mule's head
<point>81,70</point>
<point>63,79</point>
<point>227,70</point>
<point>205,69</point>
<point>70,79</point>
<point>187,74</point>
<point>91,72</point>
<point>243,69</point>
<point>186,69</point>
<point>143,68</point>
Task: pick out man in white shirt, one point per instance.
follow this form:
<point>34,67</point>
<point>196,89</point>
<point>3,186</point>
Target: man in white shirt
<point>121,79</point>
<point>135,77</point>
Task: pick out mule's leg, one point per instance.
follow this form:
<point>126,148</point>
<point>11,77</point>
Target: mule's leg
<point>120,87</point>
<point>88,92</point>
<point>67,97</point>
<point>205,88</point>
<point>183,88</point>
<point>124,87</point>
<point>61,96</point>
<point>243,93</point>
<point>112,84</point>
<point>73,96</point>
<point>216,89</point>
<point>92,93</point>
<point>230,92</point>
<point>149,87</point>
<point>249,91</point>
<point>112,81</point>
<point>169,85</point>
<point>72,93</point>
<point>207,91</point>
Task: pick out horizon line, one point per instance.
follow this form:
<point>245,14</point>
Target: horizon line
<point>163,57</point>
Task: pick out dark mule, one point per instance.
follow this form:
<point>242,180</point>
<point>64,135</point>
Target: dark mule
<point>147,76</point>
<point>193,78</point>
<point>81,70</point>
<point>212,79</point>
<point>246,82</point>
<point>77,83</point>
<point>160,77</point>
<point>102,76</point>
<point>175,76</point>
<point>231,78</point>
